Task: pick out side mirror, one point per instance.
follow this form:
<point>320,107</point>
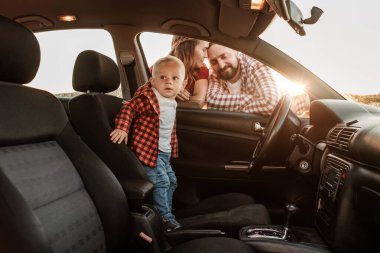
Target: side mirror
<point>290,12</point>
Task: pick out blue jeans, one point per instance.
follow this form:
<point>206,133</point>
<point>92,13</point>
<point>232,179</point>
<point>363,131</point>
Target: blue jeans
<point>165,182</point>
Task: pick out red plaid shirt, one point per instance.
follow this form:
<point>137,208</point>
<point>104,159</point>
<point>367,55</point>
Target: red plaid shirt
<point>259,93</point>
<point>140,117</point>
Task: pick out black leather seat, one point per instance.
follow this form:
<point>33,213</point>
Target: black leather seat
<point>92,115</point>
<point>56,195</point>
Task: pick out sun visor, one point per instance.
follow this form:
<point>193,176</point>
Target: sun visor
<point>238,22</point>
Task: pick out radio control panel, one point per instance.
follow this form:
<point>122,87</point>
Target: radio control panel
<point>332,179</point>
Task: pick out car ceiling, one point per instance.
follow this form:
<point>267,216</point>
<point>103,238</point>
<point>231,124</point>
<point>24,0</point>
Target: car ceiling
<point>144,14</point>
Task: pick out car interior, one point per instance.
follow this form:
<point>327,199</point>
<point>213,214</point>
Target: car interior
<point>235,209</point>
<point>246,182</point>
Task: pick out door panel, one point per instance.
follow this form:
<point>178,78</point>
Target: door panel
<point>210,140</point>
<point>205,135</point>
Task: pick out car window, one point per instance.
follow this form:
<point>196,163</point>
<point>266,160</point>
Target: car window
<point>59,50</point>
<point>341,48</point>
<point>157,45</point>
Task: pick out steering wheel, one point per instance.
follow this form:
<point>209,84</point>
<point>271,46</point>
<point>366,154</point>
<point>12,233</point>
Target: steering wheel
<point>271,133</point>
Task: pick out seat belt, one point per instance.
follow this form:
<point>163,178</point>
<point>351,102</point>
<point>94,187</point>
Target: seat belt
<point>128,62</point>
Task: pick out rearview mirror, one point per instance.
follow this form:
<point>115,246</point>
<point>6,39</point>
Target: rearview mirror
<point>290,12</point>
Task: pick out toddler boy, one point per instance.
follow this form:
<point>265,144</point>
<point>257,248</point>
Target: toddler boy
<point>147,124</point>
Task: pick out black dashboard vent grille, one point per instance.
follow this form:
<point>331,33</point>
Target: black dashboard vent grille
<point>340,137</point>
<point>337,164</point>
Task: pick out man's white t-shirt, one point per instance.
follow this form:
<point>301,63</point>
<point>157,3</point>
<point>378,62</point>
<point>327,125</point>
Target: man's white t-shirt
<point>234,88</point>
<point>167,117</point>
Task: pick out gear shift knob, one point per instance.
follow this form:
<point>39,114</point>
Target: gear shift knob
<point>290,210</point>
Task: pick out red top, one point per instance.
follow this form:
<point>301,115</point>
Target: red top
<point>140,117</point>
<point>203,74</point>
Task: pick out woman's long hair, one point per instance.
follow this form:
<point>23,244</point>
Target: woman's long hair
<point>183,48</point>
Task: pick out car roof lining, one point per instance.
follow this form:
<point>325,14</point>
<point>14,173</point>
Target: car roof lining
<point>41,15</point>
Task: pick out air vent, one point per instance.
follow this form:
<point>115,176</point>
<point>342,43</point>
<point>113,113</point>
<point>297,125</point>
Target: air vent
<point>337,164</point>
<point>340,137</point>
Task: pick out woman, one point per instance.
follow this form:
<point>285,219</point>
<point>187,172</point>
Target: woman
<point>192,52</point>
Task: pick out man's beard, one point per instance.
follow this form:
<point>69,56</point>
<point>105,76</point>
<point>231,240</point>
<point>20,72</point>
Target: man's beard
<point>227,75</point>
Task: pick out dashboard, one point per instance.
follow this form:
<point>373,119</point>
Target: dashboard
<point>347,153</point>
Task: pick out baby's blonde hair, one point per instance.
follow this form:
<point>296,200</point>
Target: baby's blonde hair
<point>167,59</point>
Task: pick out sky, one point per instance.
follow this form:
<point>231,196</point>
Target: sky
<point>342,48</point>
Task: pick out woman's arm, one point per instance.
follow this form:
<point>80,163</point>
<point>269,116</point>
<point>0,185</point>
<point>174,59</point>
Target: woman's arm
<point>200,90</point>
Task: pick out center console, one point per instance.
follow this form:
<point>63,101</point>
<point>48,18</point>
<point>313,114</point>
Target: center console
<point>334,171</point>
<point>277,238</point>
<point>332,180</point>
<point>271,232</point>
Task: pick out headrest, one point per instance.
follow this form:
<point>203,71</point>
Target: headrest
<point>19,52</point>
<point>95,72</point>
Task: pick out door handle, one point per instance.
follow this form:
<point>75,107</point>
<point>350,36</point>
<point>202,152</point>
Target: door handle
<point>240,166</point>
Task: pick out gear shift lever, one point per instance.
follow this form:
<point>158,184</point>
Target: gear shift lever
<point>290,210</point>
<point>272,231</point>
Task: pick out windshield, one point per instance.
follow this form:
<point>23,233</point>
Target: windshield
<point>341,48</point>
